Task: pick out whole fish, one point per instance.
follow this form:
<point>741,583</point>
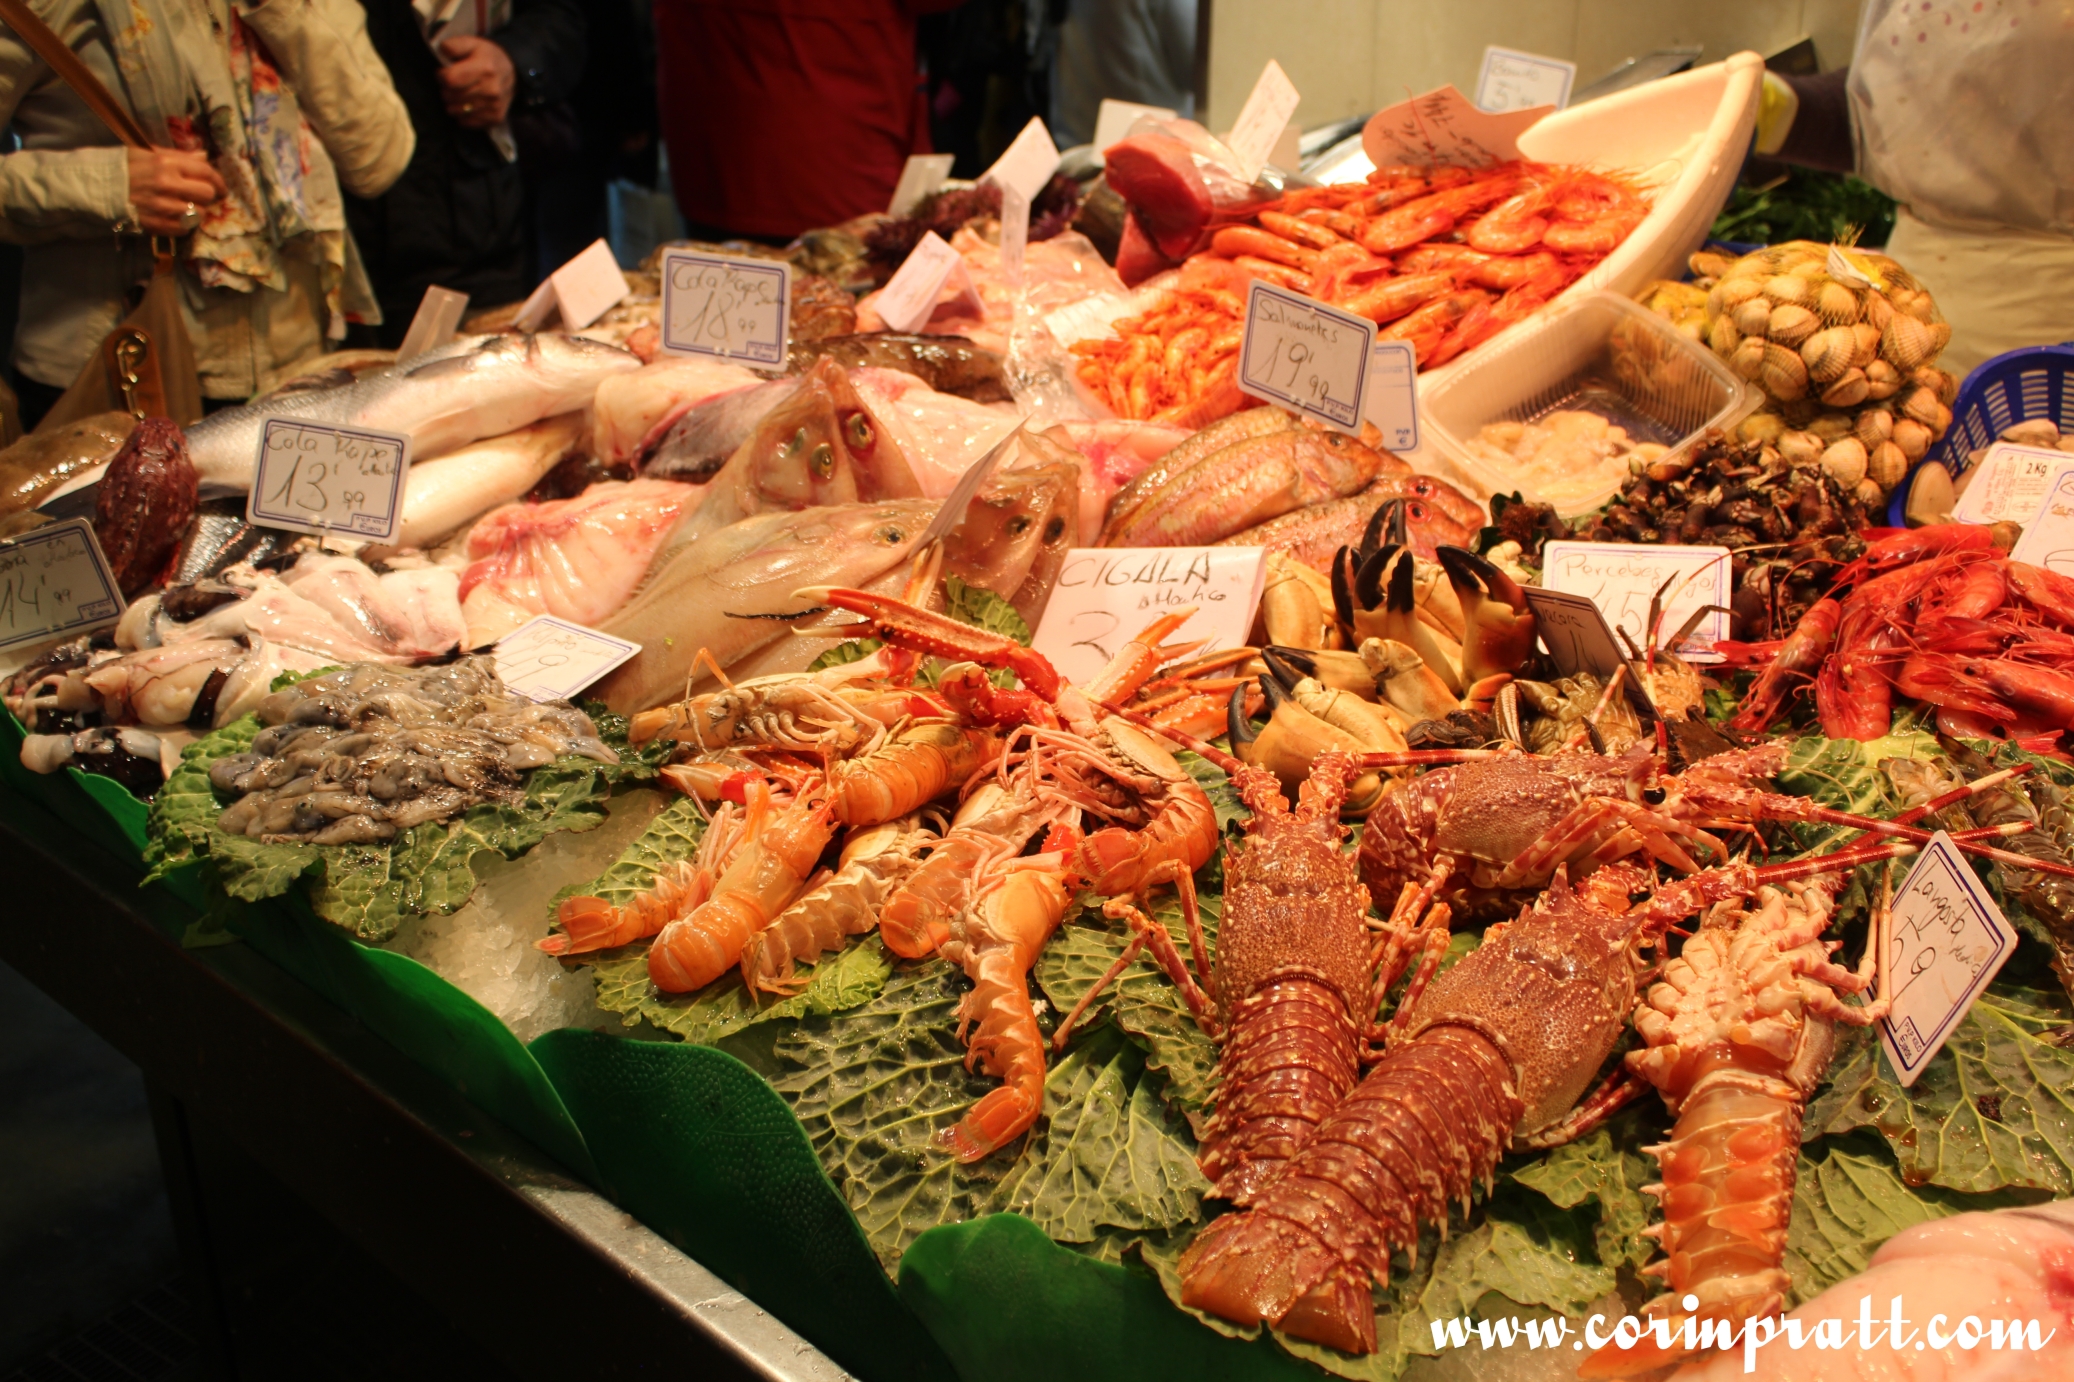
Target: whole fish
<point>1254,422</point>
<point>819,447</point>
<point>1245,484</point>
<point>478,386</point>
<point>221,538</point>
<point>632,412</point>
<point>1312,535</point>
<point>444,493</point>
<point>947,364</point>
<point>1015,535</point>
<point>700,441</point>
<point>35,467</point>
<point>717,594</point>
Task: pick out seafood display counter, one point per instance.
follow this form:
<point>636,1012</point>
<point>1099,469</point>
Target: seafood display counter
<point>474,1219</point>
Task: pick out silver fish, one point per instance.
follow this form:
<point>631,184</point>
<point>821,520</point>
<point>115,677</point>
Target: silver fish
<point>221,538</point>
<point>700,597</point>
<point>478,386</point>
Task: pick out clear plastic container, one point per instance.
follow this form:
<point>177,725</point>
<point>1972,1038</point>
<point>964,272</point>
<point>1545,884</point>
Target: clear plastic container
<point>1599,353</point>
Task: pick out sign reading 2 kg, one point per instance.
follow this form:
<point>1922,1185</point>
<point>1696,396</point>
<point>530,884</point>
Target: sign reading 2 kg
<point>719,305</point>
<point>1305,355</point>
<point>316,478</point>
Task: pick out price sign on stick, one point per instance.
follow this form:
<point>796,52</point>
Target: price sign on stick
<point>2010,484</point>
<point>726,307</point>
<point>1015,235</point>
<point>1106,596</point>
<point>1393,394</point>
<point>317,478</point>
<point>550,659</point>
<point>1262,119</point>
<point>1944,941</point>
<point>1622,578</point>
<point>909,297</point>
<point>1575,632</point>
<point>1028,163</point>
<point>922,175</point>
<point>1305,355</point>
<point>55,581</point>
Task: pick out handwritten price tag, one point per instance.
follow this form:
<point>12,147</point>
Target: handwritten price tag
<point>550,659</point>
<point>1107,595</point>
<point>909,297</point>
<point>1262,119</point>
<point>1393,394</point>
<point>921,176</point>
<point>55,581</point>
<point>316,478</point>
<point>1113,119</point>
<point>1443,127</point>
<point>2010,484</point>
<point>1621,578</point>
<point>1946,939</point>
<point>2048,539</point>
<point>1575,632</point>
<point>1305,355</point>
<point>1512,80</point>
<point>1028,163</point>
<point>729,308</point>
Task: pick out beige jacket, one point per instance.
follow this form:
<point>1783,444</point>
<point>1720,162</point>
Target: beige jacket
<point>63,193</point>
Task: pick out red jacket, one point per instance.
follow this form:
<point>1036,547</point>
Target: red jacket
<point>784,115</point>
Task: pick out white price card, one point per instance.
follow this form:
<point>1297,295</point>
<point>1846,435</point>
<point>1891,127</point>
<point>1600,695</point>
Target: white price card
<point>1513,80</point>
<point>1621,579</point>
<point>314,477</point>
<point>1262,119</point>
<point>1106,596</point>
<point>1575,632</point>
<point>1028,163</point>
<point>726,306</point>
<point>550,659</point>
<point>1393,394</point>
<point>1944,942</point>
<point>920,177</point>
<point>55,581</point>
<point>1113,119</point>
<point>2048,539</point>
<point>2010,483</point>
<point>1443,126</point>
<point>439,313</point>
<point>1305,355</point>
<point>585,289</point>
<point>909,297</point>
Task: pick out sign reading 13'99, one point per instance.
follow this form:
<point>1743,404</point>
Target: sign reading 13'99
<point>1305,355</point>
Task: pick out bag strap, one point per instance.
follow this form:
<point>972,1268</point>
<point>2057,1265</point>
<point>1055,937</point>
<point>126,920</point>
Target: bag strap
<point>74,73</point>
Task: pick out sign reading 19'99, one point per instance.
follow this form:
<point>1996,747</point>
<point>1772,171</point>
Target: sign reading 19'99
<point>1305,355</point>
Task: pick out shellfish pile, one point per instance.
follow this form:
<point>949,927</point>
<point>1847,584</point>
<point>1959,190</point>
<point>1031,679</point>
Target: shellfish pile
<point>1844,344</point>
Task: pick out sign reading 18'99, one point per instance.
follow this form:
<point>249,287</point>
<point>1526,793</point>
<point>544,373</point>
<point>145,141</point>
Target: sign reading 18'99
<point>1305,355</point>
<point>728,307</point>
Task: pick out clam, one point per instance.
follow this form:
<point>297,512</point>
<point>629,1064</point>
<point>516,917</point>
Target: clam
<point>1867,341</point>
<point>1845,462</point>
<point>1942,423</point>
<point>1918,402</point>
<point>1876,311</point>
<point>1708,264</point>
<point>1836,304</point>
<point>1734,292</point>
<point>1873,426</point>
<point>1830,426</point>
<point>1912,437</point>
<point>1782,373</point>
<point>1829,353</point>
<point>1763,428</point>
<point>1940,382</point>
<point>2036,431</point>
<point>1906,342</point>
<point>1940,337</point>
<point>1886,465</point>
<point>1753,317</point>
<point>1931,495</point>
<point>1782,288</point>
<point>1812,266</point>
<point>1723,337</point>
<point>1848,391</point>
<point>1919,306</point>
<point>1801,448</point>
<point>1869,492</point>
<point>1791,324</point>
<point>1799,412</point>
<point>1883,380</point>
<point>1748,357</point>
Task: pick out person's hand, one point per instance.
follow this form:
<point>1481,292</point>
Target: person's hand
<point>477,82</point>
<point>168,187</point>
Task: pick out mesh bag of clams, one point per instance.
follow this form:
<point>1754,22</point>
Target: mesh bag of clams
<point>1844,344</point>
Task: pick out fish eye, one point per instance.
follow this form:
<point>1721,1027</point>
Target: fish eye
<point>1018,525</point>
<point>823,460</point>
<point>859,428</point>
<point>1054,528</point>
<point>893,534</point>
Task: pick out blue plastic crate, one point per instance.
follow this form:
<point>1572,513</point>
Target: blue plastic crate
<point>2036,382</point>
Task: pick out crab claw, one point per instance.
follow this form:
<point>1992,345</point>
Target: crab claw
<point>1340,670</point>
<point>924,631</point>
<point>1401,622</point>
<point>1282,669</point>
<point>1497,625</point>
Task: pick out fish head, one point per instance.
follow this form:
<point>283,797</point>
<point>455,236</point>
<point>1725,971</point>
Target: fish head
<point>817,448</point>
<point>1016,532</point>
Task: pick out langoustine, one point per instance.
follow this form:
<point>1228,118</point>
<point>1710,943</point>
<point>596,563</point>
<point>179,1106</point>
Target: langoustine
<point>1737,1034</point>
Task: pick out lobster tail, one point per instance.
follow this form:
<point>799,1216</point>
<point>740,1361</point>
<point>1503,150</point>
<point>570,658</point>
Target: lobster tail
<point>1417,1135</point>
<point>1287,1062</point>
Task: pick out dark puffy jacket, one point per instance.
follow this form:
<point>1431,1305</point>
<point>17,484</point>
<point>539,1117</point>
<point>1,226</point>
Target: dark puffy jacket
<point>457,216</point>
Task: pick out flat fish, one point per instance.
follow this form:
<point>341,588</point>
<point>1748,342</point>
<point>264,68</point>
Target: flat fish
<point>475,387</point>
<point>631,413</point>
<point>715,595</point>
<point>37,466</point>
<point>1016,532</point>
<point>947,364</point>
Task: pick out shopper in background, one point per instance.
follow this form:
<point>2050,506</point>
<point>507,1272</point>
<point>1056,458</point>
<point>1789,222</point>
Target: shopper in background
<point>1123,50</point>
<point>1959,112</point>
<point>783,115</point>
<point>260,116</point>
<point>606,130</point>
<point>457,216</point>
